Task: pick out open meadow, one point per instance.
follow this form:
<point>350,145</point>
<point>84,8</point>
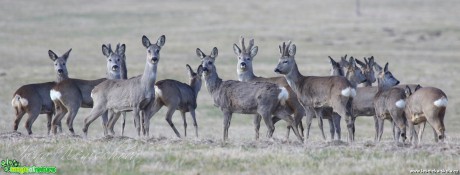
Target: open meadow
<point>419,38</point>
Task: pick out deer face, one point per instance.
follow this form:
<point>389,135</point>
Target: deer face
<point>286,62</point>
<point>367,69</point>
<point>385,77</point>
<point>153,50</point>
<point>207,61</point>
<point>354,73</point>
<point>60,62</point>
<point>114,59</point>
<point>246,55</point>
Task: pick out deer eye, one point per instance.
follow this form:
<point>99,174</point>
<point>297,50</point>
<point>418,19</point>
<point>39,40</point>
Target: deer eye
<point>63,64</point>
<point>55,64</point>
<point>150,51</point>
<point>110,59</point>
<point>210,62</point>
<point>157,51</point>
<point>285,62</point>
<point>118,59</point>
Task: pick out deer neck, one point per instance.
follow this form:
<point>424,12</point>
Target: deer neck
<point>293,77</point>
<point>383,86</point>
<point>246,75</point>
<point>62,77</point>
<point>149,77</point>
<point>123,70</point>
<point>212,81</point>
<point>112,76</point>
<point>196,86</point>
<point>351,80</point>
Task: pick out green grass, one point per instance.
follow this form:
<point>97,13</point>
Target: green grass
<point>419,38</point>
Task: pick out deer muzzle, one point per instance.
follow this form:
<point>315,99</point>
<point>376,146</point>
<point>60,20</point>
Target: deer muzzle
<point>243,65</point>
<point>154,59</point>
<point>277,70</point>
<point>115,68</point>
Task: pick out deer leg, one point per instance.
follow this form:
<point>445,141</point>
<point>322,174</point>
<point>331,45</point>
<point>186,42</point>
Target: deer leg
<point>71,116</point>
<point>413,133</point>
<point>331,128</point>
<point>122,124</point>
<point>114,116</point>
<point>319,116</point>
<point>49,116</point>
<point>227,120</point>
<point>291,122</point>
<point>269,123</point>
<point>376,125</point>
<point>169,115</point>
<point>380,127</point>
<point>308,121</point>
<point>32,117</point>
<point>60,113</point>
<point>421,130</point>
<point>149,113</point>
<point>19,116</point>
<point>93,115</point>
<point>137,122</point>
<point>336,120</point>
<point>256,122</point>
<point>195,124</point>
<point>185,123</point>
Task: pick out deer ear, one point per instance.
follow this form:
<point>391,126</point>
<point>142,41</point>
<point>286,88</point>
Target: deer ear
<point>189,70</point>
<point>66,55</point>
<point>214,53</point>
<point>332,61</point>
<point>377,67</point>
<point>417,88</point>
<point>407,91</point>
<point>292,50</point>
<point>161,41</point>
<point>360,63</point>
<point>236,49</point>
<point>199,70</point>
<point>52,55</point>
<point>200,53</point>
<point>386,67</point>
<point>105,50</point>
<point>121,49</point>
<point>145,41</point>
<point>254,51</point>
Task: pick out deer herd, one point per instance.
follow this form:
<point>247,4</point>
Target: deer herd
<point>347,93</point>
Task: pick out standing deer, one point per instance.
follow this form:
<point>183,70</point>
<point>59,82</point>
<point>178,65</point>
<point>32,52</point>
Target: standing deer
<point>389,102</point>
<point>34,99</point>
<point>317,92</point>
<point>136,94</point>
<point>71,94</point>
<point>259,98</point>
<point>426,104</point>
<point>178,96</point>
<point>246,74</point>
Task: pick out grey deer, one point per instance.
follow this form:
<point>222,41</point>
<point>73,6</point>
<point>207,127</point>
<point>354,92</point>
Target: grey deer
<point>178,96</point>
<point>389,102</point>
<point>427,104</point>
<point>258,98</point>
<point>245,72</point>
<point>34,99</point>
<point>317,92</point>
<point>136,94</point>
<point>71,94</point>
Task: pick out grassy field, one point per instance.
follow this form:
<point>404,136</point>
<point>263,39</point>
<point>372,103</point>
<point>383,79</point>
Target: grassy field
<point>419,38</point>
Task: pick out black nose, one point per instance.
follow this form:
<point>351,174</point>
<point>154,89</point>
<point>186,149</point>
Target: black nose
<point>243,64</point>
<point>397,82</point>
<point>60,71</point>
<point>277,70</point>
<point>115,67</point>
<point>205,69</point>
<point>403,135</point>
<point>154,59</point>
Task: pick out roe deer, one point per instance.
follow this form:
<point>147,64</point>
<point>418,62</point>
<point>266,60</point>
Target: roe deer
<point>427,104</point>
<point>368,70</point>
<point>317,92</point>
<point>135,94</point>
<point>34,99</point>
<point>71,94</point>
<point>260,98</point>
<point>389,102</point>
<point>178,96</point>
<point>246,74</point>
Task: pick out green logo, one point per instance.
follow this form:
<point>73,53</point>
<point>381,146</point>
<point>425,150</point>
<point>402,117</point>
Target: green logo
<point>13,166</point>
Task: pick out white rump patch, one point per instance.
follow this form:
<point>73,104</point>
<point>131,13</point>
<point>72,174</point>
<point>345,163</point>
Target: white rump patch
<point>55,95</point>
<point>349,92</point>
<point>19,101</point>
<point>400,103</point>
<point>157,91</point>
<point>283,95</point>
<point>441,102</point>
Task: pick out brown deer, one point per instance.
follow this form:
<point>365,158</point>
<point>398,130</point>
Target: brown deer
<point>427,104</point>
<point>178,96</point>
<point>245,72</point>
<point>259,98</point>
<point>317,92</point>
<point>389,102</point>
<point>71,94</point>
<point>34,99</point>
<point>135,94</point>
<point>368,70</point>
